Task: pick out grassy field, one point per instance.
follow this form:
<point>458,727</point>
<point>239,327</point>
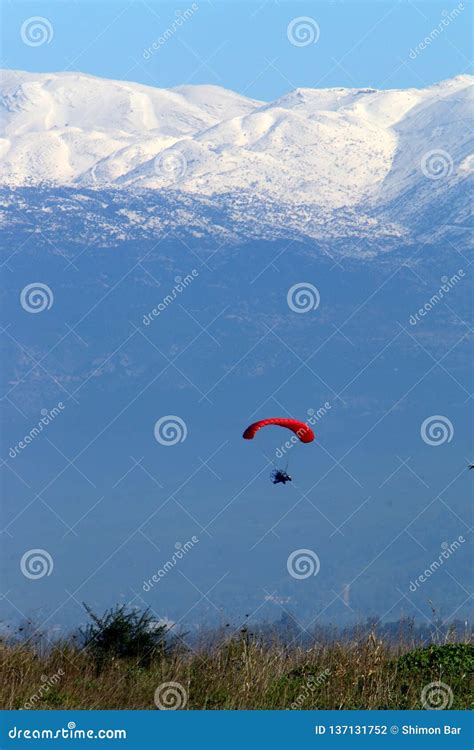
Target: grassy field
<point>240,673</point>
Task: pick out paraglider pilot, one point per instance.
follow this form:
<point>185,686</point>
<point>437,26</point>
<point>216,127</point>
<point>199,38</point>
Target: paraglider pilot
<point>280,477</point>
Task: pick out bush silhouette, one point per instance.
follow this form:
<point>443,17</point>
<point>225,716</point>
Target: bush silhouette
<point>122,634</point>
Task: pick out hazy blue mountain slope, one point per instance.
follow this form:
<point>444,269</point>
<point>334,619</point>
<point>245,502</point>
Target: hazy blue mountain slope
<point>226,350</point>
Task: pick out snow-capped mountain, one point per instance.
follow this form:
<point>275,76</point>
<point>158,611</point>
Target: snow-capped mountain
<point>389,162</point>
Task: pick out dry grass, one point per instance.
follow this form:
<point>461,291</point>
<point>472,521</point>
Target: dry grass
<point>237,674</point>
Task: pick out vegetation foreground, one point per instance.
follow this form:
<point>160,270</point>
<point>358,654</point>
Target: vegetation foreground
<point>239,675</point>
<point>123,663</point>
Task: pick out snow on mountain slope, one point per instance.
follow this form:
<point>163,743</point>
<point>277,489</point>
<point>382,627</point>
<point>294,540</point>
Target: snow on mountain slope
<point>43,101</point>
<point>56,127</point>
<point>441,122</point>
<point>330,150</point>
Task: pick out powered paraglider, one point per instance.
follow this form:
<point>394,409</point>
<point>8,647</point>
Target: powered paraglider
<point>303,433</point>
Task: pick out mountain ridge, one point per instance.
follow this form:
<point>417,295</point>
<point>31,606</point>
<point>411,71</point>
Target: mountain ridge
<point>394,155</point>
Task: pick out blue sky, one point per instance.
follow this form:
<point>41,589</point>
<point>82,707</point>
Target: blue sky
<point>244,46</point>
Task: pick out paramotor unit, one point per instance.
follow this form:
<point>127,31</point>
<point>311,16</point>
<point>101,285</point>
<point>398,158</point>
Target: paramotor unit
<point>280,477</point>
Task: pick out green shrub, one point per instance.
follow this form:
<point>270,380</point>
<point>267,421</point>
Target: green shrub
<point>122,634</point>
<point>451,660</point>
<point>452,664</point>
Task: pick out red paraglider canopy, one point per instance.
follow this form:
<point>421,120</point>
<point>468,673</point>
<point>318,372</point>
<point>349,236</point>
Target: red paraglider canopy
<point>301,429</point>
